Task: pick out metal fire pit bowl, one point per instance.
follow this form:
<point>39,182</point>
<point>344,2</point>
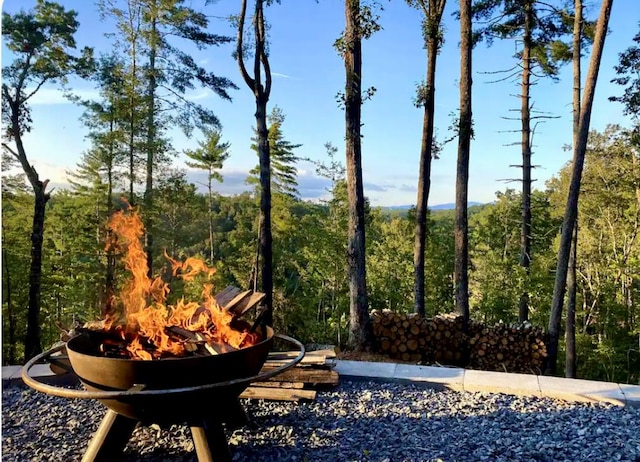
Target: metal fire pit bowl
<point>171,390</point>
<point>201,391</point>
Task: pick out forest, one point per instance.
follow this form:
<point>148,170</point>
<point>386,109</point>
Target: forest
<point>564,257</point>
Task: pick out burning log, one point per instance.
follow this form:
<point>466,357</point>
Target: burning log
<point>203,344</point>
<point>247,303</point>
<point>149,327</point>
<point>227,294</point>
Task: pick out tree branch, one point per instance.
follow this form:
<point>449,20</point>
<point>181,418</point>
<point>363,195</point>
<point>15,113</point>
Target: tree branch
<point>243,70</point>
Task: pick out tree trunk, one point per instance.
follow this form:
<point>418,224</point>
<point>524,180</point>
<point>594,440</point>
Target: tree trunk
<point>132,123</point>
<point>570,326</point>
<point>577,72</point>
<point>525,230</point>
<point>210,213</point>
<point>11,332</point>
<point>571,209</point>
<point>261,93</point>
<point>461,232</point>
<point>426,155</point>
<point>266,238</point>
<point>360,330</point>
<point>111,258</point>
<point>151,146</point>
<point>32,343</point>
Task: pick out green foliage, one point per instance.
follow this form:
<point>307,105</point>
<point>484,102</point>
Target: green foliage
<point>496,279</point>
<point>390,266</point>
<point>283,158</point>
<point>40,41</point>
<point>608,255</point>
<point>210,154</point>
<point>506,19</point>
<point>627,71</point>
<point>367,24</point>
<point>17,208</point>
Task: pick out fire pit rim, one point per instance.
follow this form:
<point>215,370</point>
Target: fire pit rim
<point>85,394</point>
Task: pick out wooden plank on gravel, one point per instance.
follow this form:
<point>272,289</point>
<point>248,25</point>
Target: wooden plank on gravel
<point>274,384</point>
<point>306,375</point>
<point>314,358</point>
<point>278,394</point>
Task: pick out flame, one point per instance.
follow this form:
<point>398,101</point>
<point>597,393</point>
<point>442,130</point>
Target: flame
<point>142,315</point>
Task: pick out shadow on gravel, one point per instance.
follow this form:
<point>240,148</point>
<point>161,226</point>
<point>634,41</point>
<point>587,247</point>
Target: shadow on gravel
<point>356,422</point>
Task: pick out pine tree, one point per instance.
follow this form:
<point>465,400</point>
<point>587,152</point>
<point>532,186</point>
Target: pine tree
<point>210,156</point>
<point>283,159</point>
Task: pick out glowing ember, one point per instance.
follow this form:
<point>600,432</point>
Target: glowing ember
<point>146,319</point>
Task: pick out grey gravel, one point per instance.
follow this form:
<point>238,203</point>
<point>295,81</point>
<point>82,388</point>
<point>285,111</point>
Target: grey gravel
<point>358,421</point>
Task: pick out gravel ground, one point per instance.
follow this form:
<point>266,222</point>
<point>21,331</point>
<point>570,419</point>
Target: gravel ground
<point>358,421</point>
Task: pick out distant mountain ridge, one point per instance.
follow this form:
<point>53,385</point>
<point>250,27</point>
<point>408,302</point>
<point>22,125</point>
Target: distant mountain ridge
<point>449,206</point>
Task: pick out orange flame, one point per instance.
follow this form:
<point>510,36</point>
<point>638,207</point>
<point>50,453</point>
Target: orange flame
<point>142,301</point>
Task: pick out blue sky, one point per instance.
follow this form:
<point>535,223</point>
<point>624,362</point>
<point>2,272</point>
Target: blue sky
<point>308,74</point>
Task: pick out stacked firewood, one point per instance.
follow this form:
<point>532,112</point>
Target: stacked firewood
<point>409,337</point>
<point>507,348</point>
<point>301,382</point>
<point>442,340</point>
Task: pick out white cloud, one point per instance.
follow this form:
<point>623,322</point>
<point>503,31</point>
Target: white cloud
<point>278,74</point>
<point>199,95</point>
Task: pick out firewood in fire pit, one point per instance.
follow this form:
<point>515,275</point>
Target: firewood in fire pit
<point>234,301</point>
<point>203,344</point>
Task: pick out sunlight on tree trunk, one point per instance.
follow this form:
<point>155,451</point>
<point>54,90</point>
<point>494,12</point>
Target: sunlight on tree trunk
<point>461,231</point>
<point>571,209</point>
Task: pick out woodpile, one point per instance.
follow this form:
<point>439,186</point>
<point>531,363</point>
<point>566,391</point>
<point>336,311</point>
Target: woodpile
<point>442,340</point>
<point>507,348</point>
<point>409,337</point>
<point>301,382</point>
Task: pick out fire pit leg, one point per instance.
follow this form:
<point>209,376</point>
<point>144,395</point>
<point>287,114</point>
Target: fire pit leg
<point>210,441</point>
<point>111,438</point>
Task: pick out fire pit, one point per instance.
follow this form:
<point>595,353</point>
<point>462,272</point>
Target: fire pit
<point>159,357</point>
<point>201,392</point>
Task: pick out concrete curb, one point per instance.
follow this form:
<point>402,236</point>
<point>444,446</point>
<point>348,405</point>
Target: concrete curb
<point>493,382</point>
<point>441,378</point>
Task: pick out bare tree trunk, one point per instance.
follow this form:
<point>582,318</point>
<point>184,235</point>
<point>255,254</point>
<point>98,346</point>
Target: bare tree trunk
<point>525,230</point>
<point>360,329</point>
<point>111,258</point>
<point>32,343</point>
<point>577,72</point>
<point>461,232</point>
<point>151,145</point>
<point>261,93</point>
<point>432,19</point>
<point>571,209</point>
<point>133,27</point>
<point>211,253</point>
<point>266,237</point>
<point>11,331</point>
<point>570,326</point>
<point>132,163</point>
